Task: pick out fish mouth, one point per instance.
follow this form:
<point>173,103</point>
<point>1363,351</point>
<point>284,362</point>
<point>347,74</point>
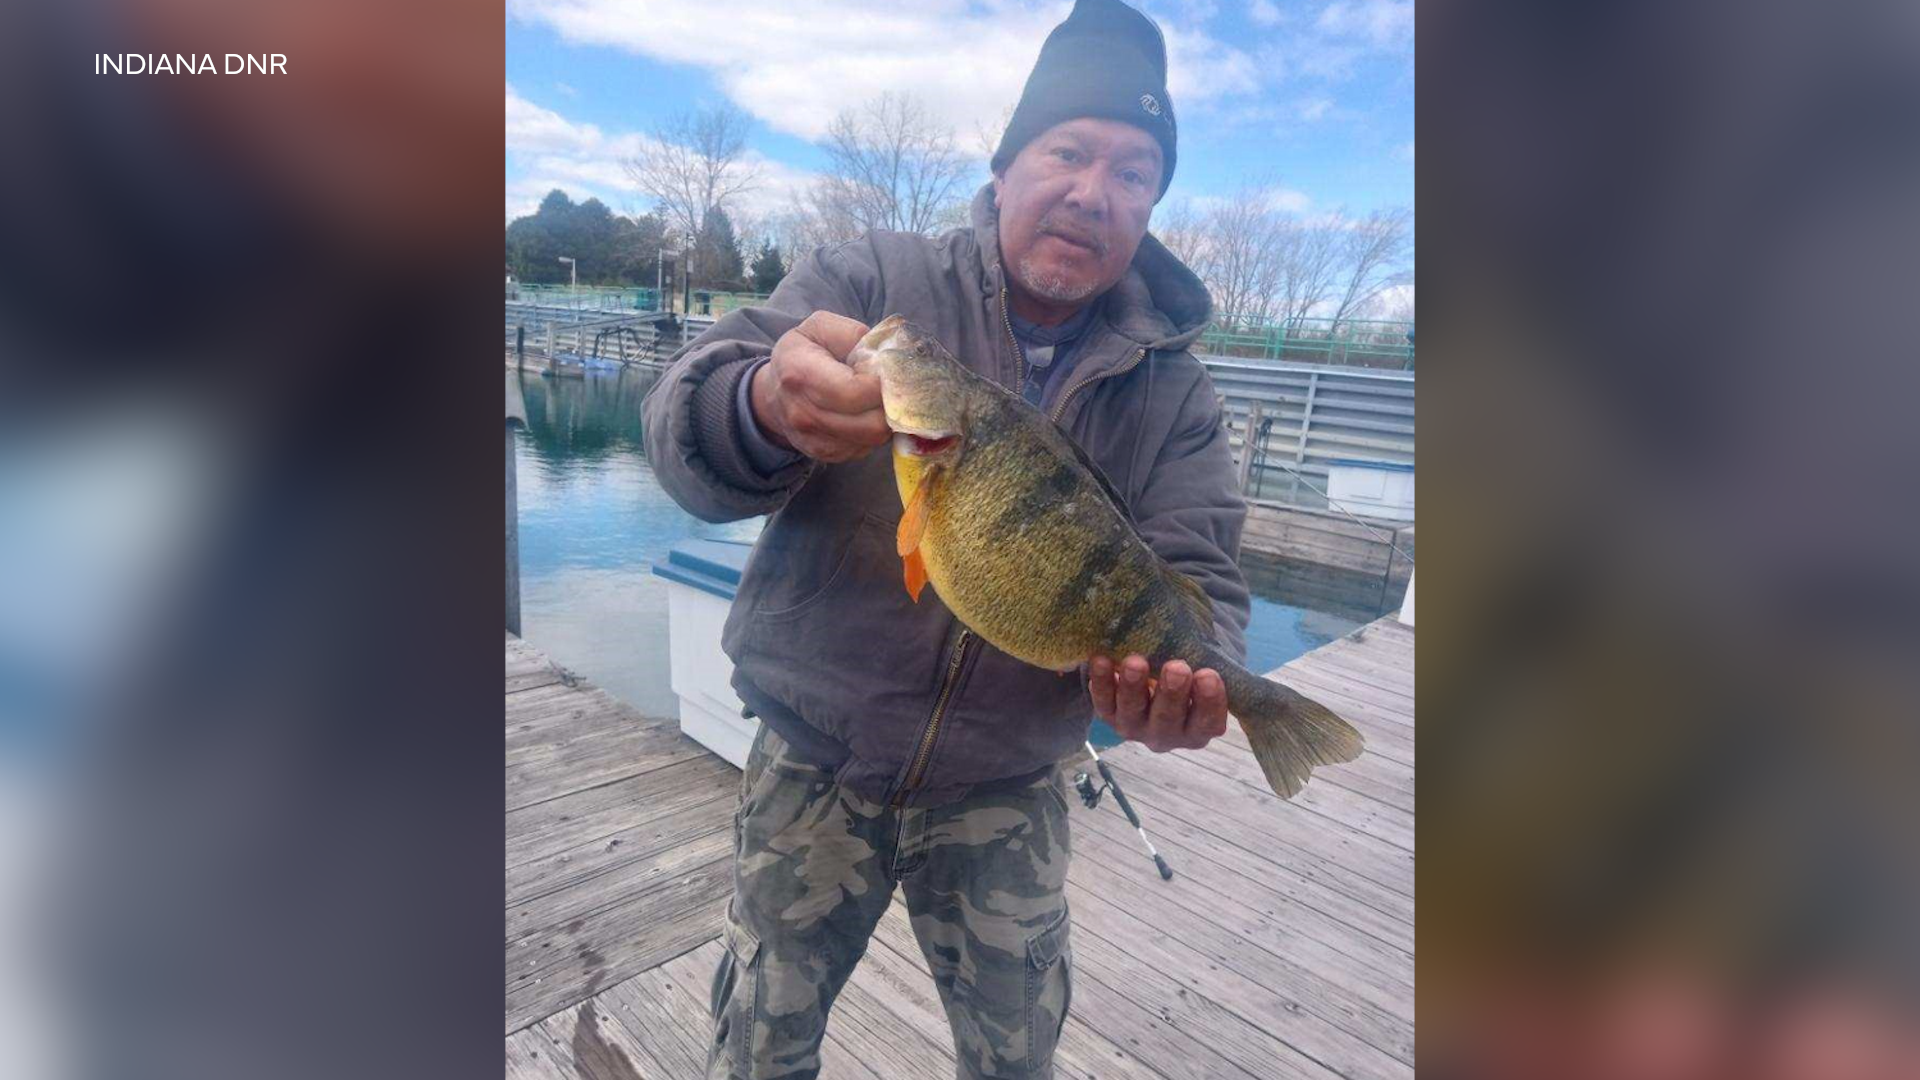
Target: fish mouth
<point>925,444</point>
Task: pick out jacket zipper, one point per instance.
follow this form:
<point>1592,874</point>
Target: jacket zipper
<point>1019,354</point>
<point>958,656</point>
<point>1060,407</point>
<point>933,722</point>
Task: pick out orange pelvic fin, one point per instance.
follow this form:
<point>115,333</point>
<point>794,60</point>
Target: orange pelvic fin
<point>916,574</point>
<point>913,522</point>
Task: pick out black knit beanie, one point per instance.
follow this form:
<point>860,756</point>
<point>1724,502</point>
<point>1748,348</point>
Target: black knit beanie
<point>1106,61</point>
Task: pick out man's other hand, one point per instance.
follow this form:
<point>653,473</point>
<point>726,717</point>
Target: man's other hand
<point>1185,710</point>
<point>807,399</point>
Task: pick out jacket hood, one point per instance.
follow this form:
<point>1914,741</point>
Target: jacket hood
<point>1159,304</point>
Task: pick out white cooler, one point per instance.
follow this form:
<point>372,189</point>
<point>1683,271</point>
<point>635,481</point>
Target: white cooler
<point>702,577</point>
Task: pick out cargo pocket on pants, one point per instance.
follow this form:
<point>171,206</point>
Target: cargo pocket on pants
<point>736,1004</point>
<point>1049,991</point>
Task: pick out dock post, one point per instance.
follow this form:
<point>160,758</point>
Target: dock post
<point>513,540</point>
<point>1246,445</point>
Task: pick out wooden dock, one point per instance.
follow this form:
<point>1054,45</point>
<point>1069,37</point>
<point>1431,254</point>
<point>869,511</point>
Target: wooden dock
<point>1282,948</point>
<point>1325,560</point>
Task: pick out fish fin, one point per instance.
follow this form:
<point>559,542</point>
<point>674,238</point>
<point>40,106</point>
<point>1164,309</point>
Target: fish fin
<point>1099,474</point>
<point>1192,596</point>
<point>916,574</point>
<point>913,522</point>
<point>1289,732</point>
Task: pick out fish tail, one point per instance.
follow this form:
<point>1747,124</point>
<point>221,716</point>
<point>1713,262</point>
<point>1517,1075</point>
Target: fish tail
<point>1290,733</point>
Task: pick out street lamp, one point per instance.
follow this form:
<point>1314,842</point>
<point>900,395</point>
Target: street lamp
<point>573,272</point>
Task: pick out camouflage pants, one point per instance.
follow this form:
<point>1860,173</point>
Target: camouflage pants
<point>814,870</point>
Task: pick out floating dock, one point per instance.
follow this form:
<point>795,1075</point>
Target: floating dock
<point>1283,947</point>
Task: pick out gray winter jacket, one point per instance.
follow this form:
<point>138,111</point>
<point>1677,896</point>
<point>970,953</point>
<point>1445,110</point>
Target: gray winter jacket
<point>826,644</point>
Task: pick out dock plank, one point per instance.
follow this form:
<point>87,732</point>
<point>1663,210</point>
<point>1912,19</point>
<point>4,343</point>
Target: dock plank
<point>557,967</point>
<point>1269,882</point>
<point>600,812</point>
<point>1312,952</point>
<point>600,1046</point>
<point>531,1055</point>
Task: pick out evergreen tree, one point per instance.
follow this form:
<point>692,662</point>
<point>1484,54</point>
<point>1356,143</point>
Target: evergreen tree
<point>610,249</point>
<point>716,255</point>
<point>767,268</point>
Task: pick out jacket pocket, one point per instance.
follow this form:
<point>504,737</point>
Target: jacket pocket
<point>1049,990</point>
<point>801,580</point>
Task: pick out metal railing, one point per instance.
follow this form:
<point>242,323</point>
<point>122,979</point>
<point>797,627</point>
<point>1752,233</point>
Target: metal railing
<point>1310,414</point>
<point>1371,343</point>
<point>586,297</point>
<point>631,298</point>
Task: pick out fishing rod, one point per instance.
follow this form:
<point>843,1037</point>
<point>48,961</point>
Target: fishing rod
<point>1091,796</point>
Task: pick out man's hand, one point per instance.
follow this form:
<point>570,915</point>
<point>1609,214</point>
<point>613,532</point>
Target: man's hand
<point>1185,711</point>
<point>807,399</point>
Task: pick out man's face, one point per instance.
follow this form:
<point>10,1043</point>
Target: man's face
<point>1073,205</point>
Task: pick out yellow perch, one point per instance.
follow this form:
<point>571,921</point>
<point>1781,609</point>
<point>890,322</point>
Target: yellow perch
<point>1029,546</point>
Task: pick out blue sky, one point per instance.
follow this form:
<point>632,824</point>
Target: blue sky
<point>1312,99</point>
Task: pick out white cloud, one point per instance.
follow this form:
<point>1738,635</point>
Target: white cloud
<point>1334,42</point>
<point>531,128</point>
<point>566,89</point>
<point>1284,199</point>
<point>1289,200</point>
<point>1314,109</point>
<point>552,151</point>
<point>795,67</point>
<point>1264,13</point>
<point>1201,69</point>
<point>1384,24</point>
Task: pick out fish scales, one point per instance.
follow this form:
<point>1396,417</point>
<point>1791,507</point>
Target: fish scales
<point>1039,561</point>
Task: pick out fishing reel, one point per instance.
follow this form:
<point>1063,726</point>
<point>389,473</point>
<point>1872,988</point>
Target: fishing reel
<point>1088,793</point>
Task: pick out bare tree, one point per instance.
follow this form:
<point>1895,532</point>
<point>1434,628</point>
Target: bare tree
<point>751,230</point>
<point>1374,258</point>
<point>1308,263</point>
<point>1182,230</point>
<point>987,136</point>
<point>890,165</point>
<point>796,231</point>
<point>695,162</point>
<point>1264,264</point>
<point>1239,250</point>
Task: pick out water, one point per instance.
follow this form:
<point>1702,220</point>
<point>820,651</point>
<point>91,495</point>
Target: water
<point>593,519</point>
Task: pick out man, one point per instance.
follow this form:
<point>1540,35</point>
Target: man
<point>897,748</point>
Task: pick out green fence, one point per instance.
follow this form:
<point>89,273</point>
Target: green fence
<point>629,298</point>
<point>1370,343</point>
<point>587,297</point>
